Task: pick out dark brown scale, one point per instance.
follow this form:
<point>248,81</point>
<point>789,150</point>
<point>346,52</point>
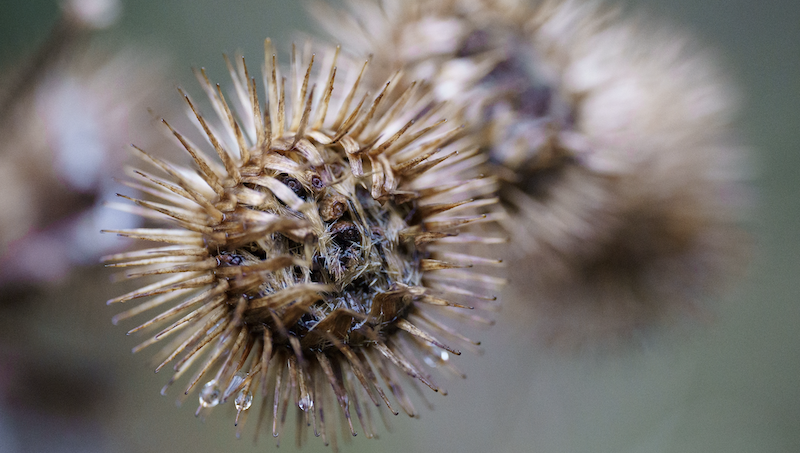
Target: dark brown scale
<point>345,233</point>
<point>317,183</point>
<point>230,259</point>
<point>293,184</point>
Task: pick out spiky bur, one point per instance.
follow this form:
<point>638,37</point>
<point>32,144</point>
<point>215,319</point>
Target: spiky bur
<point>612,139</point>
<point>312,266</point>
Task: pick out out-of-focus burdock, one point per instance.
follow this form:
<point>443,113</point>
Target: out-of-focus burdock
<point>67,114</point>
<point>614,141</point>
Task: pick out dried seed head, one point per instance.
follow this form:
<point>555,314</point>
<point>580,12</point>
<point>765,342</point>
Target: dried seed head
<point>612,140</point>
<point>313,258</point>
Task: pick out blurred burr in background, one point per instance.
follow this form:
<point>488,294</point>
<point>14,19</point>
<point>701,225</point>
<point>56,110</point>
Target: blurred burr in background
<point>614,141</point>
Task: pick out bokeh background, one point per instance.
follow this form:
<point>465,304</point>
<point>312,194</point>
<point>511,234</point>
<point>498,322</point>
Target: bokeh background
<point>70,384</point>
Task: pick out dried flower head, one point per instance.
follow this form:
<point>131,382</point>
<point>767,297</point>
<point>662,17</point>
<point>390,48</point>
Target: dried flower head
<point>611,137</point>
<point>315,256</point>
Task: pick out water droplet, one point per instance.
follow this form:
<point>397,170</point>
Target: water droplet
<point>305,403</point>
<point>209,395</point>
<point>243,401</point>
<point>435,360</point>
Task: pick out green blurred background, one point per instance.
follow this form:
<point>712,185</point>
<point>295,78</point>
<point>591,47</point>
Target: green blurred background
<point>733,387</point>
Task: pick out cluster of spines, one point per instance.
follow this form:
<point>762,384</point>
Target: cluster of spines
<point>215,209</point>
